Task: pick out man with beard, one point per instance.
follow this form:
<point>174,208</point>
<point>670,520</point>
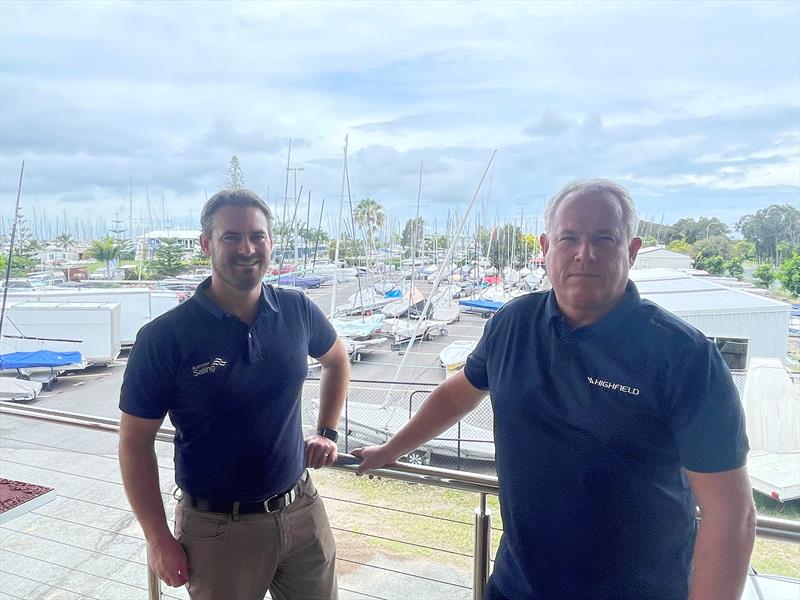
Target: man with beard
<point>228,367</point>
<point>613,420</point>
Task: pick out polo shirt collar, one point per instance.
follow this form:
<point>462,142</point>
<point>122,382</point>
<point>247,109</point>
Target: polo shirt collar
<point>267,300</point>
<point>629,302</point>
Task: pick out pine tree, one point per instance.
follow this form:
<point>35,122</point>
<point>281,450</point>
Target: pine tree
<point>168,258</point>
<point>235,175</point>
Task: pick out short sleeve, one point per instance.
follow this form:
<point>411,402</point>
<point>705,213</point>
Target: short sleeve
<point>321,334</point>
<point>148,383</point>
<point>705,414</point>
<point>475,368</point>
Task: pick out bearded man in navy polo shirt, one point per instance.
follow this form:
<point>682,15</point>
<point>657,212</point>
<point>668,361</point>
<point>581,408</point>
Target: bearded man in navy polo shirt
<point>228,366</point>
<point>614,420</point>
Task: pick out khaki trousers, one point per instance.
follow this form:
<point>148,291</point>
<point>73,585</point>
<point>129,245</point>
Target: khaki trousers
<point>291,552</point>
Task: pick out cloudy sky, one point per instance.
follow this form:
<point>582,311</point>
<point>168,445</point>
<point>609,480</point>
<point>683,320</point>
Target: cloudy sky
<point>694,106</point>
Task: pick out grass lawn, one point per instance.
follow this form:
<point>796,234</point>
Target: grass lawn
<point>419,521</point>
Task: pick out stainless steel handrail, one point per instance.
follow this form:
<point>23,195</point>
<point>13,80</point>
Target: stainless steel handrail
<point>768,527</point>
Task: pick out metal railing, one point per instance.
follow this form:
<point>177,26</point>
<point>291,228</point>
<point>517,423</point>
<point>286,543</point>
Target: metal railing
<point>483,485</point>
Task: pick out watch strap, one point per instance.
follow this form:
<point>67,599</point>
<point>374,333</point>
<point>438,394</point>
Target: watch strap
<point>329,433</point>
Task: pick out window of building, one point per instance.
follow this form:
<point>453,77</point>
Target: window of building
<point>734,352</point>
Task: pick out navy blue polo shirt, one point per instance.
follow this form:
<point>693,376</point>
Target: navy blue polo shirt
<point>232,391</point>
<point>592,429</point>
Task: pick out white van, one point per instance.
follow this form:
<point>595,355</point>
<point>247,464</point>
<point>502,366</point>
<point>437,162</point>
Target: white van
<point>49,277</point>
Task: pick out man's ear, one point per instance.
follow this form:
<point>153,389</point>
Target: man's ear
<point>544,243</point>
<point>205,245</point>
<point>633,249</point>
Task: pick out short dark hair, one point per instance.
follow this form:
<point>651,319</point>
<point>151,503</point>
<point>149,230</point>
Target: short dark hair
<point>239,197</point>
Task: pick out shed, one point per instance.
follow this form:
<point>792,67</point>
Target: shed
<point>743,324</point>
<point>654,257</point>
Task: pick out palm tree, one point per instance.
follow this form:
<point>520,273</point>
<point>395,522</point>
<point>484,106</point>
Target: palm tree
<point>370,216</point>
<point>106,250</point>
<point>64,241</point>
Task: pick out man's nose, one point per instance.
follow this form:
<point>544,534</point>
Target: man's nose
<point>246,247</point>
<point>585,250</point>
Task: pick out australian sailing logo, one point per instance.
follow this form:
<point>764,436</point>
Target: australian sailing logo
<point>209,367</point>
<point>614,386</point>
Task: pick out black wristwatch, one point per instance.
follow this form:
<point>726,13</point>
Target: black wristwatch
<point>329,433</point>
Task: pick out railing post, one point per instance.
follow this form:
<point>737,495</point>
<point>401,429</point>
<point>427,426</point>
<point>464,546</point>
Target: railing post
<point>482,547</point>
<point>153,585</point>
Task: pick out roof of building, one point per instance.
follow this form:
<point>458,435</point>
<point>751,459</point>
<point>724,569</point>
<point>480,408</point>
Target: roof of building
<point>683,295</point>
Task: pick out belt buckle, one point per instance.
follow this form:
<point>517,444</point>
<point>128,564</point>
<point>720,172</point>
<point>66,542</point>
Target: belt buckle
<point>285,500</point>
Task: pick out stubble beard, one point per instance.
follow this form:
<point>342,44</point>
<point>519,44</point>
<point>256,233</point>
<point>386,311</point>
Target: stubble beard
<point>239,280</point>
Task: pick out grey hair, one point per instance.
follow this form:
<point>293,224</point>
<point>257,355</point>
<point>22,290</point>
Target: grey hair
<point>603,187</point>
<point>239,197</point>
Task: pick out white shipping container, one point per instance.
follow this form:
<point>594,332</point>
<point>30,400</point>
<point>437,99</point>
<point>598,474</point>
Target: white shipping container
<point>91,328</point>
<point>139,306</point>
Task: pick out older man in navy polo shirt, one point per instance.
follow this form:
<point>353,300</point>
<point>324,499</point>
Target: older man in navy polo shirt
<point>613,421</point>
<point>228,366</point>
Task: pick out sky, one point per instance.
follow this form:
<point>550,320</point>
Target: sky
<point>693,106</point>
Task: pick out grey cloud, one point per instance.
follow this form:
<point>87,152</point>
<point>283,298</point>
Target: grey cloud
<point>550,124</point>
<point>223,135</point>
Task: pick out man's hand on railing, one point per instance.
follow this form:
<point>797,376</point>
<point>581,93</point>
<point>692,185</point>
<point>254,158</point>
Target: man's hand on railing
<point>168,560</point>
<point>373,457</point>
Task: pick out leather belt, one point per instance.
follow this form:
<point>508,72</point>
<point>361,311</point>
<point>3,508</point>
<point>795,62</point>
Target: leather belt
<point>270,505</point>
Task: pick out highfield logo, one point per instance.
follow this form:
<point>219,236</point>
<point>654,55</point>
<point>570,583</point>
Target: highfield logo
<point>617,387</point>
<point>209,367</point>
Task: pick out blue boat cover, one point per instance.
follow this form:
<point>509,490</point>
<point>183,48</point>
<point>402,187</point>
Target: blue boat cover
<point>40,358</point>
<point>482,304</point>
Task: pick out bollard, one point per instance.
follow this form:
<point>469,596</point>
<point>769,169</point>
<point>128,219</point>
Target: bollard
<point>153,585</point>
<point>482,547</point>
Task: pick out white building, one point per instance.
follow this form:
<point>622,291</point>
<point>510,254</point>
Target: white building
<point>655,257</point>
<point>147,244</point>
<point>744,325</point>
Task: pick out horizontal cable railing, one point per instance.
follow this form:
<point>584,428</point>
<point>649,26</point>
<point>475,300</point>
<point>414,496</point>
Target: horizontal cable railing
<point>769,527</point>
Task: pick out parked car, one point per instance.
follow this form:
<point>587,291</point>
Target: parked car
<point>24,284</point>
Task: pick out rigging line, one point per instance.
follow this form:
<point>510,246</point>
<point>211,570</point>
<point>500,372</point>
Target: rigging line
<point>439,275</point>
<point>11,249</point>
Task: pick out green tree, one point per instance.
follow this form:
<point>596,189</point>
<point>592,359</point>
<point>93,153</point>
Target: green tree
<point>105,250</point>
<point>64,241</point>
<point>703,228</point>
<point>24,243</point>
<point>235,179</point>
<point>369,215</point>
<point>770,226</point>
<point>413,234</point>
<point>744,250</point>
<point>715,245</point>
<point>200,259</point>
<point>680,246</point>
<point>734,268</point>
<point>168,260</point>
<point>764,275</point>
<point>20,265</point>
<point>789,274</point>
<point>713,263</point>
